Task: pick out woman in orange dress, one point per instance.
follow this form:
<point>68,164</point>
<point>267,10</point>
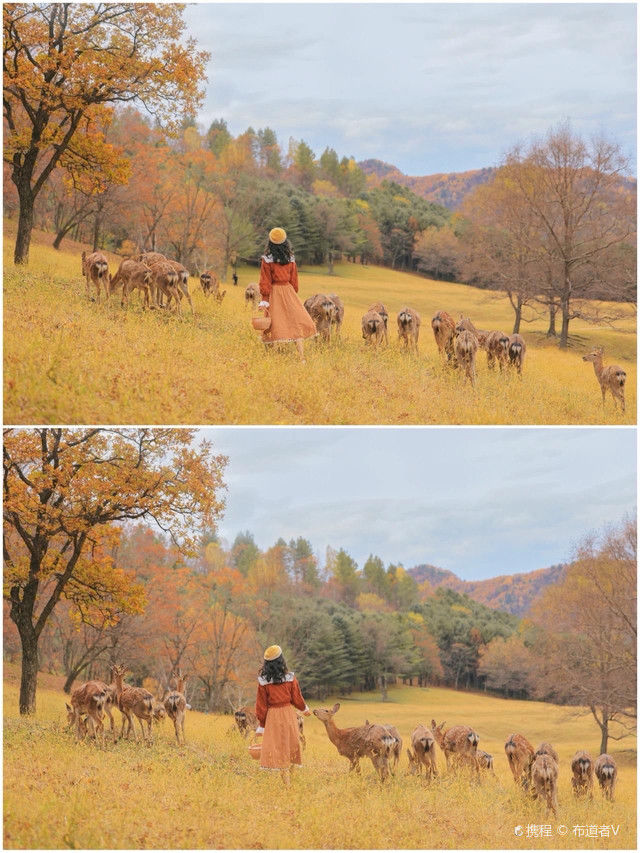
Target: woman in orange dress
<point>290,320</point>
<point>278,697</point>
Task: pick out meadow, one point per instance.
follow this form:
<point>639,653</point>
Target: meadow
<point>70,360</point>
<point>210,794</point>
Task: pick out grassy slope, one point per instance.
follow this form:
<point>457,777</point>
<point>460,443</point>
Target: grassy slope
<point>210,794</point>
<point>67,360</point>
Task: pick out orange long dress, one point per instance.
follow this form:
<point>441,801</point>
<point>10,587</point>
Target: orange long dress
<point>275,710</point>
<point>290,320</point>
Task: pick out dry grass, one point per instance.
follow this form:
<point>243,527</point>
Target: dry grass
<point>210,794</point>
<point>68,360</point>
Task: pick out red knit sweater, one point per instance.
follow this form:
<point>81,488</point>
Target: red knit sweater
<point>271,695</point>
<point>272,273</point>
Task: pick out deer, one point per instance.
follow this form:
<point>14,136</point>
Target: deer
<point>183,283</point>
<point>423,756</point>
<point>164,282</point>
<point>485,761</point>
<point>409,328</point>
<point>338,316</point>
<point>444,328</point>
<point>303,740</point>
<point>245,720</point>
<point>210,284</point>
<point>373,328</point>
<point>611,378</point>
<point>95,268</point>
<point>79,721</point>
<point>519,755</point>
<point>395,745</point>
<point>357,742</point>
<point>497,347</point>
<point>517,351</point>
<point>606,772</point>
<point>466,347</point>
<point>465,324</point>
<point>175,705</point>
<point>323,311</point>
<point>459,741</point>
<point>544,781</point>
<point>89,698</point>
<point>379,308</point>
<point>582,770</point>
<point>251,295</point>
<point>132,274</point>
<point>133,701</point>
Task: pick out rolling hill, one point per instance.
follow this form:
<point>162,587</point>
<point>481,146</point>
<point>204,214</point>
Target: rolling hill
<point>513,593</point>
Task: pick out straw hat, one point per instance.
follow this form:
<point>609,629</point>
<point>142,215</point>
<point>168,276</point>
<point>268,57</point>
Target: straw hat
<point>277,235</point>
<point>272,652</point>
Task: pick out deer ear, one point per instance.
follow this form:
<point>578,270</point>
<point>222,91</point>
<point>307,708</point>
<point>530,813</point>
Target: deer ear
<point>68,707</point>
<point>336,707</point>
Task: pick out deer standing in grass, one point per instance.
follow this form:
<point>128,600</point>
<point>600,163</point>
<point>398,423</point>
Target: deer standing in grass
<point>424,752</point>
<point>176,705</point>
<point>133,702</point>
<point>444,331</point>
<point>544,781</point>
<point>95,268</point>
<point>460,742</point>
<point>611,378</point>
<point>409,328</point>
<point>88,699</point>
<point>519,755</point>
<point>607,774</point>
<point>357,742</point>
<point>582,770</point>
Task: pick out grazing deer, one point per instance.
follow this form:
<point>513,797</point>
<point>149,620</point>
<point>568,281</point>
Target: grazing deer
<point>183,283</point>
<point>245,720</point>
<point>95,268</point>
<point>210,284</point>
<point>424,752</point>
<point>303,740</point>
<point>394,745</point>
<point>176,704</point>
<point>582,770</point>
<point>77,721</point>
<point>464,324</point>
<point>458,741</point>
<point>409,328</point>
<point>544,781</point>
<point>466,347</point>
<point>131,274</point>
<point>133,701</point>
<point>251,295</point>
<point>444,330</point>
<point>485,761</point>
<point>373,329</point>
<point>517,352</point>
<point>607,774</point>
<point>520,757</point>
<point>164,282</point>
<point>357,742</point>
<point>89,698</point>
<point>379,308</point>
<point>497,347</point>
<point>612,377</point>
<point>323,311</point>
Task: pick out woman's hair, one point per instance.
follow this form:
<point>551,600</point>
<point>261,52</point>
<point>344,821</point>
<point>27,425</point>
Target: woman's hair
<point>282,253</point>
<point>274,670</point>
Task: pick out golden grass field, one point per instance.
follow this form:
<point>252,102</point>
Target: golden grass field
<point>69,360</point>
<point>210,794</point>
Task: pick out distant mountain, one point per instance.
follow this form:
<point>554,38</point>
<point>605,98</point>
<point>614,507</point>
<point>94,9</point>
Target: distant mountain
<point>513,593</point>
<point>447,189</point>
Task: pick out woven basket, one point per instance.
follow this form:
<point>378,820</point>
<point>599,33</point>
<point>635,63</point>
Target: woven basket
<point>261,324</point>
<point>255,750</point>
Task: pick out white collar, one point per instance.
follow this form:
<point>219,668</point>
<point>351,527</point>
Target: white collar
<point>288,677</point>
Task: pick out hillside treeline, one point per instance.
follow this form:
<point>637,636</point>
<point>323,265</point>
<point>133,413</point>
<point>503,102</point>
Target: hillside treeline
<point>348,629</point>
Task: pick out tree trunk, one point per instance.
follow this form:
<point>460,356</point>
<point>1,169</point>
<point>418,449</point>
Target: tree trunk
<point>518,318</point>
<point>70,679</point>
<point>604,728</point>
<point>29,676</point>
<point>25,224</point>
<point>553,309</point>
<point>564,332</point>
<point>96,232</point>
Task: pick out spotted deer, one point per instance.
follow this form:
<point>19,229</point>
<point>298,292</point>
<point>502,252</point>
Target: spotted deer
<point>582,774</point>
<point>517,352</point>
<point>379,308</point>
<point>133,702</point>
<point>519,755</point>
<point>497,347</point>
<point>175,705</point>
<point>544,780</point>
<point>131,274</point>
<point>459,742</point>
<point>251,295</point>
<point>95,268</point>
<point>466,347</point>
<point>371,741</point>
<point>606,772</point>
<point>423,756</point>
<point>444,331</point>
<point>373,329</point>
<point>611,378</point>
<point>88,699</point>
<point>409,329</point>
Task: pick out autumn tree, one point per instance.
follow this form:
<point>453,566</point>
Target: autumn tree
<point>575,193</point>
<point>587,648</point>
<point>66,494</point>
<point>66,63</point>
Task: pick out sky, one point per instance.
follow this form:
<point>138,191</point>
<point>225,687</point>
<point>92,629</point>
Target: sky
<point>427,87</point>
<point>479,502</point>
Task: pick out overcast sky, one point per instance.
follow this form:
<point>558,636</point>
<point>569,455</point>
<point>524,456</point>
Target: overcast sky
<point>480,502</point>
<point>428,87</point>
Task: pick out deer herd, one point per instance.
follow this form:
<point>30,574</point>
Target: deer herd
<point>534,770</point>
<point>159,278</point>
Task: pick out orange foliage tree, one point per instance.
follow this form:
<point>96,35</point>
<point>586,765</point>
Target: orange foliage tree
<point>66,494</point>
<point>64,62</point>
